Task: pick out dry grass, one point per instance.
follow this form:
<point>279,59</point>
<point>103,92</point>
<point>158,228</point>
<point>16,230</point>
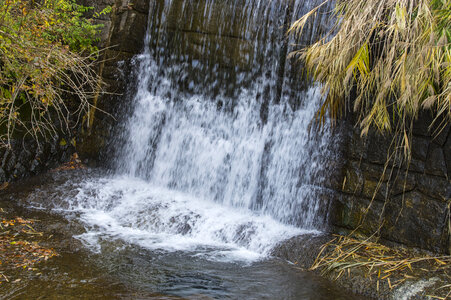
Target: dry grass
<point>386,60</point>
<point>344,255</point>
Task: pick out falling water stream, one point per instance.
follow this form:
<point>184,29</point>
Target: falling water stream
<point>216,163</point>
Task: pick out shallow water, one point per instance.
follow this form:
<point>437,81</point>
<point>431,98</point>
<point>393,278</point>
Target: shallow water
<point>98,261</point>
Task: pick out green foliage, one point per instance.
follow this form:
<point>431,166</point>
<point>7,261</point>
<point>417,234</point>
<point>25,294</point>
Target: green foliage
<point>107,10</point>
<point>46,56</point>
<point>393,57</point>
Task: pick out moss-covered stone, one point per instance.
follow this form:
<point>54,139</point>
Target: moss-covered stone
<point>354,179</point>
<point>352,212</point>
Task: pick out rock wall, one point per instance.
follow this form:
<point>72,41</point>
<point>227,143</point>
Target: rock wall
<point>410,208</point>
<point>121,39</point>
<point>27,158</point>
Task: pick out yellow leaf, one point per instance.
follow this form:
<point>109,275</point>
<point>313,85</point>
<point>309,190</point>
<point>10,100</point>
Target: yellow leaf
<point>361,61</point>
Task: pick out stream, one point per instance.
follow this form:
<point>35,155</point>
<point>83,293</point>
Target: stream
<point>102,257</point>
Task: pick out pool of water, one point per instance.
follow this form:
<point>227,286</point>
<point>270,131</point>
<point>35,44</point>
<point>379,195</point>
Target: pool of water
<point>108,252</point>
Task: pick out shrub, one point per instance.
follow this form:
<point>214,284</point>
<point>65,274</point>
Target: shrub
<point>46,58</point>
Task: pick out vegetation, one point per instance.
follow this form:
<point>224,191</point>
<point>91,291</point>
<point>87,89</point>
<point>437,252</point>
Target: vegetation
<point>20,247</point>
<point>46,57</point>
<point>382,265</point>
<point>385,60</point>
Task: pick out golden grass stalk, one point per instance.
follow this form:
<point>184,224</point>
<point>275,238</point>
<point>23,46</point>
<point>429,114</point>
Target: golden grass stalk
<point>344,254</point>
<point>393,56</point>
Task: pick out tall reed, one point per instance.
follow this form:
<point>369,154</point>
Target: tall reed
<point>386,60</point>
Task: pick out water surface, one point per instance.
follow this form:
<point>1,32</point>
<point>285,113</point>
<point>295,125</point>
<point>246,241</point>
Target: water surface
<point>102,259</point>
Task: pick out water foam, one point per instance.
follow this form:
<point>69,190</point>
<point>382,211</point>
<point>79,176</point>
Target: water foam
<point>156,218</point>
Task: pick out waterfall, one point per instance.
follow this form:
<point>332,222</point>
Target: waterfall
<point>218,152</point>
<point>197,125</point>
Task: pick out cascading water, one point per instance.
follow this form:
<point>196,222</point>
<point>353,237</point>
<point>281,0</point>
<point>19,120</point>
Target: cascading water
<point>245,145</point>
<point>217,158</point>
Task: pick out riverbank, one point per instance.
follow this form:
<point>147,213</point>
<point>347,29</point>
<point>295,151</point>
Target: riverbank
<point>371,269</point>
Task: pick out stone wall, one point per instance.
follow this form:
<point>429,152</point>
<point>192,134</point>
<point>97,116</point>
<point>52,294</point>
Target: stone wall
<point>26,157</point>
<point>121,39</point>
<point>410,208</point>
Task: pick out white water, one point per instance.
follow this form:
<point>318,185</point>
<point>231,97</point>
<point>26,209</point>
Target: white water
<point>206,173</point>
<point>157,218</point>
<point>221,155</point>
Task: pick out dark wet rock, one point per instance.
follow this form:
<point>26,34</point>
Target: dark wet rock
<point>374,171</point>
<point>422,123</point>
<point>184,228</point>
<point>35,166</point>
<point>435,163</point>
<point>416,165</point>
<point>440,130</point>
<point>333,175</point>
<point>354,179</point>
<point>380,190</point>
<point>441,136</point>
<point>9,161</point>
<point>141,6</point>
<point>416,220</point>
<point>415,214</point>
<point>19,171</point>
<point>357,145</point>
<point>65,155</point>
<point>28,158</point>
<point>24,157</point>
<point>402,183</point>
<point>447,153</point>
<point>420,147</point>
<point>112,68</point>
<point>301,250</point>
<point>379,148</point>
<point>435,187</point>
<point>351,211</point>
<point>374,189</point>
<point>128,30</point>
